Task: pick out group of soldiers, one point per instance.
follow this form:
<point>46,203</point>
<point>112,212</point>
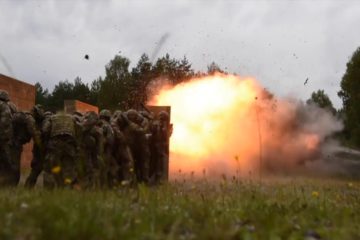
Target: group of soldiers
<point>84,151</point>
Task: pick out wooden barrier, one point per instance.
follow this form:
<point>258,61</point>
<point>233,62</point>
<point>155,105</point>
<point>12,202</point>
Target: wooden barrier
<point>71,106</point>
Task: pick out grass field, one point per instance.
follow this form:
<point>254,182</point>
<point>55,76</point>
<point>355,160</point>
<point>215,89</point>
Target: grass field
<point>230,209</point>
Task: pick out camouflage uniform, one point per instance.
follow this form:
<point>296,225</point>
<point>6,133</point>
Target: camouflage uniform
<point>92,144</point>
<point>135,134</point>
<point>161,131</point>
<point>23,126</point>
<point>38,150</point>
<point>121,150</point>
<point>60,157</point>
<point>111,166</point>
<point>5,137</point>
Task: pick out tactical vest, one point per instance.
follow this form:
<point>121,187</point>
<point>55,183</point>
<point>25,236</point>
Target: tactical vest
<point>62,124</point>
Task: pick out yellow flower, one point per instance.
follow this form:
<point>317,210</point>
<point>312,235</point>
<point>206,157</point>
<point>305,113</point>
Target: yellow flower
<point>67,181</point>
<point>56,169</point>
<point>131,170</point>
<point>315,194</point>
<point>350,184</point>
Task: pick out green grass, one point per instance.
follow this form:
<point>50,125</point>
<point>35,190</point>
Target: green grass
<point>230,209</point>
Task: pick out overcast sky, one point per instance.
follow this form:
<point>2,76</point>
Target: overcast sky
<point>281,43</point>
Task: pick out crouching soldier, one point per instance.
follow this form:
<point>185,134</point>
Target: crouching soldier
<point>111,168</point>
<point>5,137</point>
<point>92,149</point>
<point>23,130</point>
<point>38,150</point>
<point>60,157</point>
<point>161,132</point>
<point>124,167</point>
<point>135,134</point>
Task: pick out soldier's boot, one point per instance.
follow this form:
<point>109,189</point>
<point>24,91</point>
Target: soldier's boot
<point>36,168</point>
<point>32,178</point>
<point>15,168</point>
<point>6,166</point>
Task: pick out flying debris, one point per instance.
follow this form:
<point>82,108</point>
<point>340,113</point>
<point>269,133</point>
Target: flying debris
<point>306,81</point>
<point>87,57</point>
<point>159,45</point>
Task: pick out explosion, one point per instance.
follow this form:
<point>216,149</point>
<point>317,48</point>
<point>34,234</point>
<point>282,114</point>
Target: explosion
<point>225,124</point>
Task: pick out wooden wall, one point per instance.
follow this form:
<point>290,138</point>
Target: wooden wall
<point>71,106</point>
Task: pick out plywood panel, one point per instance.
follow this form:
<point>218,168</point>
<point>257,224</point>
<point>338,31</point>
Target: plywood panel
<point>71,106</point>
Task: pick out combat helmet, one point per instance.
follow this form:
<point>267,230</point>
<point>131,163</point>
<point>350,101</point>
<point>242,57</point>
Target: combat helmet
<point>38,111</point>
<point>105,114</point>
<point>4,96</point>
<point>90,118</point>
<point>12,107</point>
<point>117,114</point>
<point>132,115</point>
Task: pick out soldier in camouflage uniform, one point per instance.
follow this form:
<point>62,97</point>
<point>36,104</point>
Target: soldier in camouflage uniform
<point>135,134</point>
<point>161,131</point>
<point>23,130</point>
<point>92,148</point>
<point>5,138</point>
<point>111,166</point>
<point>60,158</point>
<point>78,118</point>
<point>38,150</point>
<point>121,150</point>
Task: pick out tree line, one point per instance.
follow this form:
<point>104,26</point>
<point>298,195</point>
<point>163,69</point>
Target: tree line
<point>121,87</point>
<point>350,96</point>
<point>124,88</point>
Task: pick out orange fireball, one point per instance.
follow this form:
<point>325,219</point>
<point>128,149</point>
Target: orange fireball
<point>228,124</point>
